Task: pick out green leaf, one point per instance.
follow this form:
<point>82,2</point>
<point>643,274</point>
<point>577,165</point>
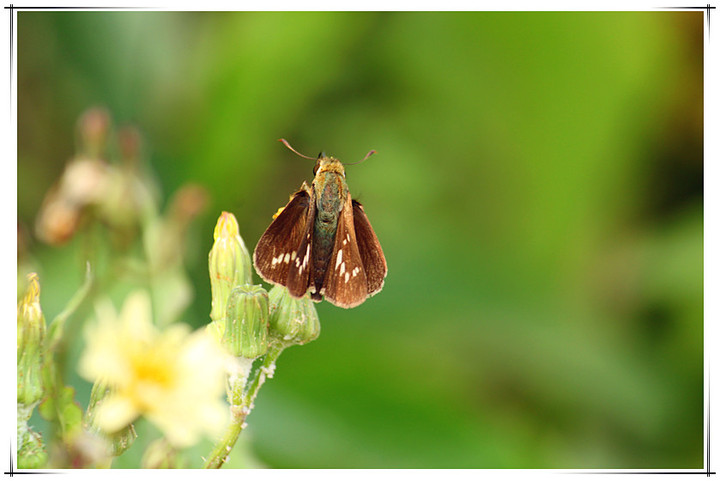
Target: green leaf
<point>64,411</point>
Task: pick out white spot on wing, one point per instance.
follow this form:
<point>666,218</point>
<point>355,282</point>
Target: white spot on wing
<point>339,259</point>
<point>305,259</point>
<point>347,276</point>
<point>287,258</point>
<point>342,268</point>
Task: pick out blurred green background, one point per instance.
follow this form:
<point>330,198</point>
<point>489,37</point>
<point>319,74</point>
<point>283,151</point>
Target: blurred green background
<point>537,192</point>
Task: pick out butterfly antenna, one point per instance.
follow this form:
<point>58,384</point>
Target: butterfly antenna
<point>290,147</point>
<point>364,158</point>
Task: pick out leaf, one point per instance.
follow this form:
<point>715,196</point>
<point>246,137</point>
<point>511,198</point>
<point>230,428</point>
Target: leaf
<point>63,410</point>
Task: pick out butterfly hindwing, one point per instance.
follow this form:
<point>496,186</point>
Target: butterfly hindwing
<point>345,283</point>
<point>277,251</point>
<point>373,259</point>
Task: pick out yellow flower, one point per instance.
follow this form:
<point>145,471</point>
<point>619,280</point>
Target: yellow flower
<point>174,378</point>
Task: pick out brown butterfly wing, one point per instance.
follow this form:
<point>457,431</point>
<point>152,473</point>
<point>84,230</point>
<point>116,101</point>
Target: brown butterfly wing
<point>345,283</point>
<point>283,247</point>
<point>301,266</point>
<point>373,259</point>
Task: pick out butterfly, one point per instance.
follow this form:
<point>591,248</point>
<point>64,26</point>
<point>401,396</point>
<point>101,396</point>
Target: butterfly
<point>322,242</point>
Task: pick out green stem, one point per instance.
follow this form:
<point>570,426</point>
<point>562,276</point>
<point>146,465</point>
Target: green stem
<point>239,412</point>
<point>266,370</point>
<point>53,364</point>
<point>57,326</point>
<point>221,450</point>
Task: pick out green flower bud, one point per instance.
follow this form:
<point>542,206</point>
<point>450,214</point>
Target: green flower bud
<point>247,322</point>
<point>31,451</point>
<point>229,263</point>
<point>30,338</point>
<point>292,321</point>
<point>118,442</point>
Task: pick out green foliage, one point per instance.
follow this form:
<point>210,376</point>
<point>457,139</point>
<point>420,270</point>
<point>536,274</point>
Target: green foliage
<point>63,410</point>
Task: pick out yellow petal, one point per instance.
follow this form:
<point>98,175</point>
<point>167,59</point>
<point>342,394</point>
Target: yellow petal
<point>183,427</point>
<point>115,413</point>
<point>103,356</point>
<point>136,316</point>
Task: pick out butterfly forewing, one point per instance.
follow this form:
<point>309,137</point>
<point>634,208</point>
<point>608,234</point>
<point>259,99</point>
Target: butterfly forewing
<point>373,259</point>
<point>278,250</point>
<point>301,266</point>
<point>345,282</point>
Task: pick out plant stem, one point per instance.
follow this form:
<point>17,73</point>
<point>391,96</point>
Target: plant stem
<point>222,449</point>
<point>240,412</point>
<point>57,326</point>
<point>266,370</point>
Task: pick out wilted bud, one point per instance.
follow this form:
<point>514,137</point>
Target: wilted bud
<point>130,142</point>
<point>85,181</point>
<point>187,202</point>
<point>246,323</point>
<point>57,220</point>
<point>117,442</point>
<point>30,338</point>
<point>122,202</point>
<point>229,263</point>
<point>93,128</point>
<point>292,321</point>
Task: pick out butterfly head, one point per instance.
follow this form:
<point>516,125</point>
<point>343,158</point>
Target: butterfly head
<point>325,164</point>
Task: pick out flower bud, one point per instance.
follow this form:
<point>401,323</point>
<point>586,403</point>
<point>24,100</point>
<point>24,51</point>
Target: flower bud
<point>247,322</point>
<point>229,263</point>
<point>30,338</point>
<point>130,143</point>
<point>85,181</point>
<point>122,203</point>
<point>292,321</point>
<point>187,202</point>
<point>93,127</point>
<point>31,451</point>
<point>57,220</point>
<point>117,442</point>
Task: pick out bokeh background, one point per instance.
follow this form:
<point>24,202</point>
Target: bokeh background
<point>537,192</point>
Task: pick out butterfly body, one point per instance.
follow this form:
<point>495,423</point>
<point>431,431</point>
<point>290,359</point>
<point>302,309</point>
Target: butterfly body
<point>322,243</point>
<point>330,189</point>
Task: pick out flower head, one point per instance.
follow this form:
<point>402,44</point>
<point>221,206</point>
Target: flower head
<point>173,378</point>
